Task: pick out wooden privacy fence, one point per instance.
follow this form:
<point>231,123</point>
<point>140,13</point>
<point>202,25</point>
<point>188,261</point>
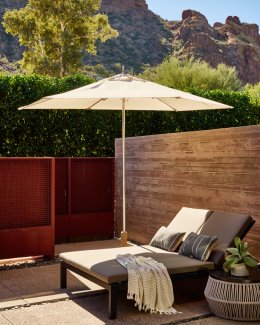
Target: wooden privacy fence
<point>213,169</point>
<point>48,199</point>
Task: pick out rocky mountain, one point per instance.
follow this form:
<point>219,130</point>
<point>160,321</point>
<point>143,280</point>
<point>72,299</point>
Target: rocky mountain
<point>233,43</point>
<point>145,38</point>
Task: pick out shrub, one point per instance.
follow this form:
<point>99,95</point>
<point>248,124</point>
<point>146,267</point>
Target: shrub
<point>253,91</point>
<point>182,74</point>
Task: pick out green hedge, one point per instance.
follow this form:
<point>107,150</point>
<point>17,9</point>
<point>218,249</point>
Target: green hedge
<point>92,133</point>
<point>244,112</point>
<point>52,133</point>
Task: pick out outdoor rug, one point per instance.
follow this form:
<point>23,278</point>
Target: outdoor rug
<point>31,295</point>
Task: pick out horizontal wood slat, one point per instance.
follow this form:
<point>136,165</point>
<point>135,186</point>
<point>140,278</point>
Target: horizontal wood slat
<point>213,169</point>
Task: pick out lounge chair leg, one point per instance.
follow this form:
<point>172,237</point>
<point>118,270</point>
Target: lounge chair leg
<point>112,304</point>
<point>63,276</point>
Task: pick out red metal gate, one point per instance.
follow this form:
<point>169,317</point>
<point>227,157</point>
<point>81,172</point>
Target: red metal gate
<point>26,207</point>
<point>84,198</point>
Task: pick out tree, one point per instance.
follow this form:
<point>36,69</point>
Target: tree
<point>56,33</point>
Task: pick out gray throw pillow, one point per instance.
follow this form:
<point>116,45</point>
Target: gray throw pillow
<point>198,246</point>
<point>167,239</point>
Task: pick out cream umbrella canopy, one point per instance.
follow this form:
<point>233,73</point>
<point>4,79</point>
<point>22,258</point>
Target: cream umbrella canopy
<point>125,92</point>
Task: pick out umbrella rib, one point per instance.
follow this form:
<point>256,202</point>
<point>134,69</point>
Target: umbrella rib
<point>160,100</point>
<point>98,101</point>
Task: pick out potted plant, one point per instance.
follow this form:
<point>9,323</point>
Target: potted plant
<point>238,259</point>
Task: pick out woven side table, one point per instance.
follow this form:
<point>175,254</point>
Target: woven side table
<point>232,297</point>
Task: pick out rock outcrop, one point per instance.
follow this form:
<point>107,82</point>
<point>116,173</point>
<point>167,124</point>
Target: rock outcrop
<point>233,43</point>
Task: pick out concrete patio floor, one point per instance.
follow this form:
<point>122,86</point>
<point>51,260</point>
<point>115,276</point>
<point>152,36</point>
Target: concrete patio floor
<point>31,295</point>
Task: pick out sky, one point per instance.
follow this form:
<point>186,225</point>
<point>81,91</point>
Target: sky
<point>215,10</point>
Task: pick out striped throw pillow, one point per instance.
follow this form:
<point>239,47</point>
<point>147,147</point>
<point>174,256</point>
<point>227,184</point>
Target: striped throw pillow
<point>198,246</point>
<point>167,239</point>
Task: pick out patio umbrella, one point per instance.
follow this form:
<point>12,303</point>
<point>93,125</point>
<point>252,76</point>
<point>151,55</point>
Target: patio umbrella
<point>125,92</point>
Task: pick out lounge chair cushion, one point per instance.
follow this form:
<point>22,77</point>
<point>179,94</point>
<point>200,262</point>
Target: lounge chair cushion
<point>189,220</point>
<point>102,263</point>
<point>197,246</point>
<point>226,225</point>
<point>167,239</point>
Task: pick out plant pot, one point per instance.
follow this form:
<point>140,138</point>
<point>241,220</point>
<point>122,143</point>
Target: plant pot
<point>240,270</point>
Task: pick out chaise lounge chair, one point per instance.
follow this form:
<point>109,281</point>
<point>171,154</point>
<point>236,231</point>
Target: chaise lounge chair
<point>102,268</point>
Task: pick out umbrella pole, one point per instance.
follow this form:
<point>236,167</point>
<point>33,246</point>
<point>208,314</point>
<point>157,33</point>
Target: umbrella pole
<point>124,232</point>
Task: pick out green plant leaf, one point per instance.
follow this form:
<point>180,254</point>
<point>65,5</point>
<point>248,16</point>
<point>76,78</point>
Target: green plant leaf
<point>244,248</point>
<point>237,242</point>
<point>253,257</point>
<point>233,251</point>
<point>245,245</point>
<point>230,262</point>
<point>229,257</point>
<point>250,261</point>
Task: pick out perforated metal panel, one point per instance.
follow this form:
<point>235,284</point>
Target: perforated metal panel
<point>25,196</point>
<point>84,198</point>
<point>26,207</point>
<point>91,185</point>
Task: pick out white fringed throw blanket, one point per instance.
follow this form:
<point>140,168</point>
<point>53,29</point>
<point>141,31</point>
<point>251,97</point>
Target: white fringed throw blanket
<point>149,284</point>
